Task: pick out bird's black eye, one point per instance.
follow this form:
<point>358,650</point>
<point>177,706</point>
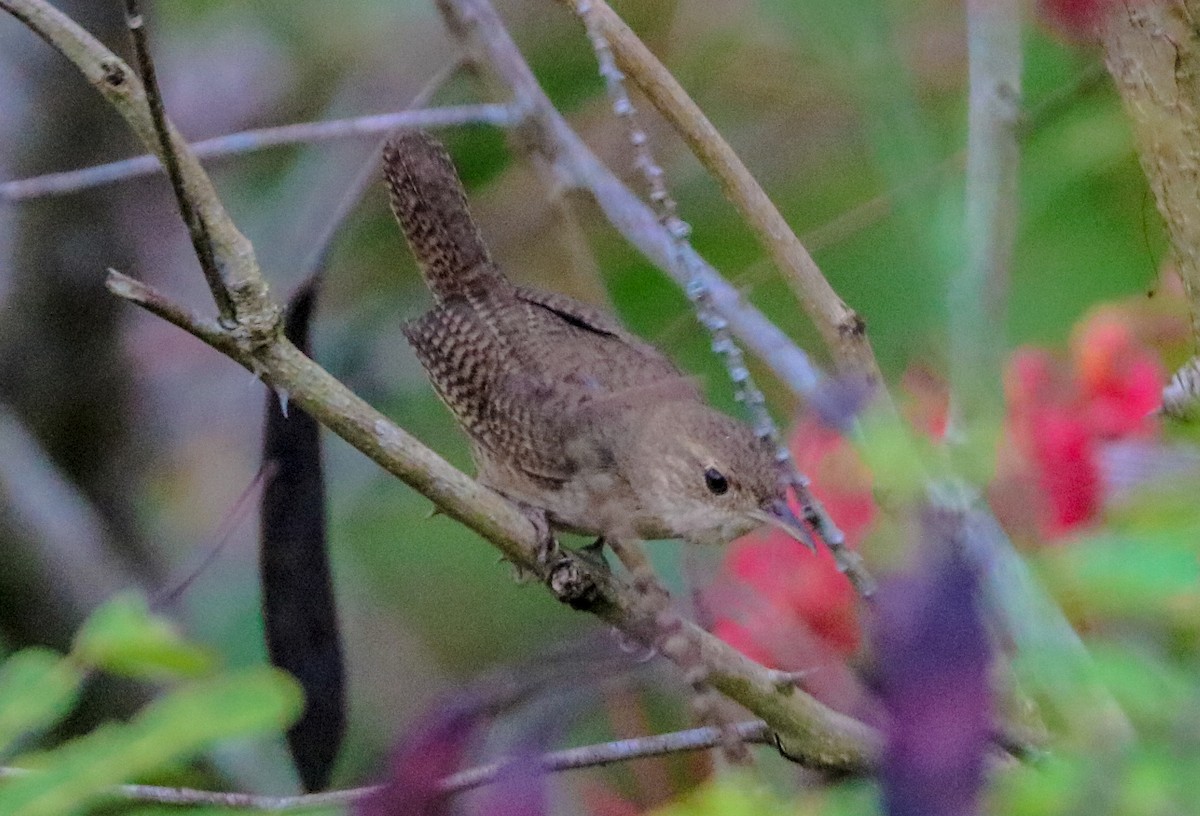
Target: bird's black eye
<point>716,481</point>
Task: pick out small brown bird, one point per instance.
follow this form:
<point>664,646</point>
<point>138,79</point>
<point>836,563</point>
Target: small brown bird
<point>568,413</point>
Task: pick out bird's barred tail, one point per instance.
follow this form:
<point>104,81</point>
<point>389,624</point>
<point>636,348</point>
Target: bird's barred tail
<point>431,206</point>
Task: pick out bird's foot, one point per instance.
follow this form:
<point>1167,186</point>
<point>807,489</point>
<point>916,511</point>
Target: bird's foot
<point>641,572</point>
<point>547,549</point>
<point>593,555</point>
<point>567,575</point>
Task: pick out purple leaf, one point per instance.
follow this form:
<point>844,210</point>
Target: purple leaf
<point>432,750</point>
<point>520,789</point>
<point>933,660</point>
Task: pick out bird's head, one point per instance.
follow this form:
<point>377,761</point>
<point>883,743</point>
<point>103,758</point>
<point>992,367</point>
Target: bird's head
<point>707,478</point>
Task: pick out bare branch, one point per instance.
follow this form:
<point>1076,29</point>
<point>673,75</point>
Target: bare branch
<point>248,141</point>
<point>588,756</point>
<point>153,301</point>
<point>197,229</point>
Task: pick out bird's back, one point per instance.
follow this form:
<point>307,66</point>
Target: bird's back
<point>521,369</point>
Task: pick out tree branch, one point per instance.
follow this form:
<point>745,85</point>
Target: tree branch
<point>248,141</point>
<point>588,756</point>
<point>979,291</point>
<point>192,219</point>
<point>1152,50</point>
<point>807,730</point>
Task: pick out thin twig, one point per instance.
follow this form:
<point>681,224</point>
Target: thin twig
<point>588,756</point>
<point>248,141</point>
<point>155,302</point>
<point>842,329</point>
<point>192,219</point>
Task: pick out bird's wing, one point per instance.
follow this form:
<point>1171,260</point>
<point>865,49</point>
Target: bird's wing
<point>578,346</point>
<point>505,409</point>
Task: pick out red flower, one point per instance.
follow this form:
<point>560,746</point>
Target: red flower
<point>781,604</point>
<point>1076,20</point>
<point>1120,379</point>
<point>1060,416</point>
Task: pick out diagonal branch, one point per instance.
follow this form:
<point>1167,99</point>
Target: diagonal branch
<point>193,220</point>
<point>842,329</point>
<point>483,35</point>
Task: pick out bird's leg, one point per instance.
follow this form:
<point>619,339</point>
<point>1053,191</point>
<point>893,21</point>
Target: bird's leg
<point>547,546</point>
<point>632,554</point>
<point>668,639</point>
<point>570,583</point>
<point>594,554</point>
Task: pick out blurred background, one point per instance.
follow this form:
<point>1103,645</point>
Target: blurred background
<point>125,444</point>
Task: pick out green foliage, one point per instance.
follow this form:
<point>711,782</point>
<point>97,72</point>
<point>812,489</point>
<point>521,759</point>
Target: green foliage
<point>730,795</point>
<point>39,687</point>
<point>1133,589</point>
<point>122,637</point>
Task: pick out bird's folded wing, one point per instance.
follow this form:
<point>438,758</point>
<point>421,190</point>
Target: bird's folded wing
<point>505,409</point>
<point>578,346</point>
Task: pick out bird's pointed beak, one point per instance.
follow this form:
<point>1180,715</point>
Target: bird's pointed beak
<point>779,514</point>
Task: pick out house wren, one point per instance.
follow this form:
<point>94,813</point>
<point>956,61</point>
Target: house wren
<point>568,413</point>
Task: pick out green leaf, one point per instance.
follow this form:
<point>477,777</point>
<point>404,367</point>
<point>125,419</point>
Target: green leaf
<point>1156,694</point>
<point>37,689</point>
<point>731,795</point>
<point>1151,576</point>
<point>1053,787</point>
<point>182,724</point>
<point>122,637</point>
